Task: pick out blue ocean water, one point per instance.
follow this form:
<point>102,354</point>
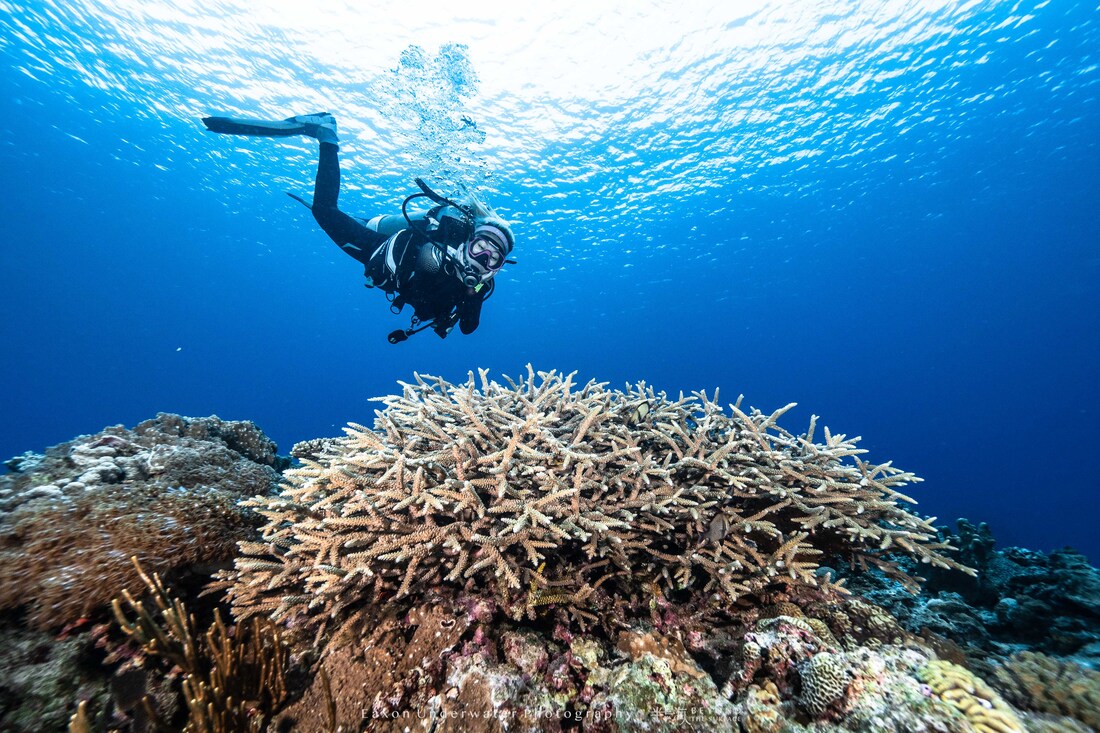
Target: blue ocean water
<point>885,211</point>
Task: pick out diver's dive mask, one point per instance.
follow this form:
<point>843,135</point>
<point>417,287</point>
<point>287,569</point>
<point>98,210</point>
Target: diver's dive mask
<point>482,256</point>
<point>485,252</point>
<point>470,271</point>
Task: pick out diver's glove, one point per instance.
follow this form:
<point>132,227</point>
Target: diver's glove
<point>445,324</point>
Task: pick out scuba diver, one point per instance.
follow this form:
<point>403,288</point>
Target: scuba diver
<point>441,262</point>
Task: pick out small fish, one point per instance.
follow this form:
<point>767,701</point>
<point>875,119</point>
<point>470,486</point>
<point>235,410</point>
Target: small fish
<point>718,529</point>
<point>640,413</point>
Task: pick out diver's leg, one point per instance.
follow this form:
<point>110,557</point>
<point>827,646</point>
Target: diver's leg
<point>350,233</point>
<point>353,237</point>
<point>326,189</point>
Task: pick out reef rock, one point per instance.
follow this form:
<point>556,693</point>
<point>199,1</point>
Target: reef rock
<point>1020,599</point>
<point>166,491</point>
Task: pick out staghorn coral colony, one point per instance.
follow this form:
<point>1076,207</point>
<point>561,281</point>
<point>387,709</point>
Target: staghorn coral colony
<point>541,555</point>
<point>546,492</point>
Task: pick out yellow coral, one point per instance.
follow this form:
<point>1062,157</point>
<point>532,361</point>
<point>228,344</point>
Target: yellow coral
<point>983,708</point>
<point>761,712</point>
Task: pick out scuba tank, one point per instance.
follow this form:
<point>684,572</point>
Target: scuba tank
<point>447,227</point>
<point>447,224</point>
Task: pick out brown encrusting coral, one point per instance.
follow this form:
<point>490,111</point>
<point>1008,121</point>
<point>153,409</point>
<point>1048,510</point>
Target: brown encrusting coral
<point>166,491</point>
<point>544,492</point>
<point>1035,681</point>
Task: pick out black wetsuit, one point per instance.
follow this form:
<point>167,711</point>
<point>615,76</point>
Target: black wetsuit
<point>405,263</point>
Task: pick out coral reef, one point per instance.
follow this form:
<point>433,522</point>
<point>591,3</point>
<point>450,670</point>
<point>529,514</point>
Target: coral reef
<point>1020,599</point>
<point>537,557</point>
<point>456,664</point>
<point>1035,681</point>
<point>166,491</point>
<point>1048,601</point>
<point>545,493</point>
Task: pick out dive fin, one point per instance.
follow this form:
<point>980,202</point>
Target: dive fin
<point>300,125</point>
<point>308,203</point>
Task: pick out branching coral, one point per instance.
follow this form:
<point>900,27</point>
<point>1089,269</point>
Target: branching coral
<point>545,492</point>
<point>231,682</point>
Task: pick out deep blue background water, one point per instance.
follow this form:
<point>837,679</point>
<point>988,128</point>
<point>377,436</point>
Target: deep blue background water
<point>899,233</point>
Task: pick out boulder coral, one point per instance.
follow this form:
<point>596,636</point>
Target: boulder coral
<point>824,682</point>
<point>1035,681</point>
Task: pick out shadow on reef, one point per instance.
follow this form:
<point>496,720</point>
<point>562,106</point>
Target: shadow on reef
<point>540,556</point>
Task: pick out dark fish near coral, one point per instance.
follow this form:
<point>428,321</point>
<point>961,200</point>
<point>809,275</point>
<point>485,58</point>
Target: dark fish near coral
<point>718,529</point>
